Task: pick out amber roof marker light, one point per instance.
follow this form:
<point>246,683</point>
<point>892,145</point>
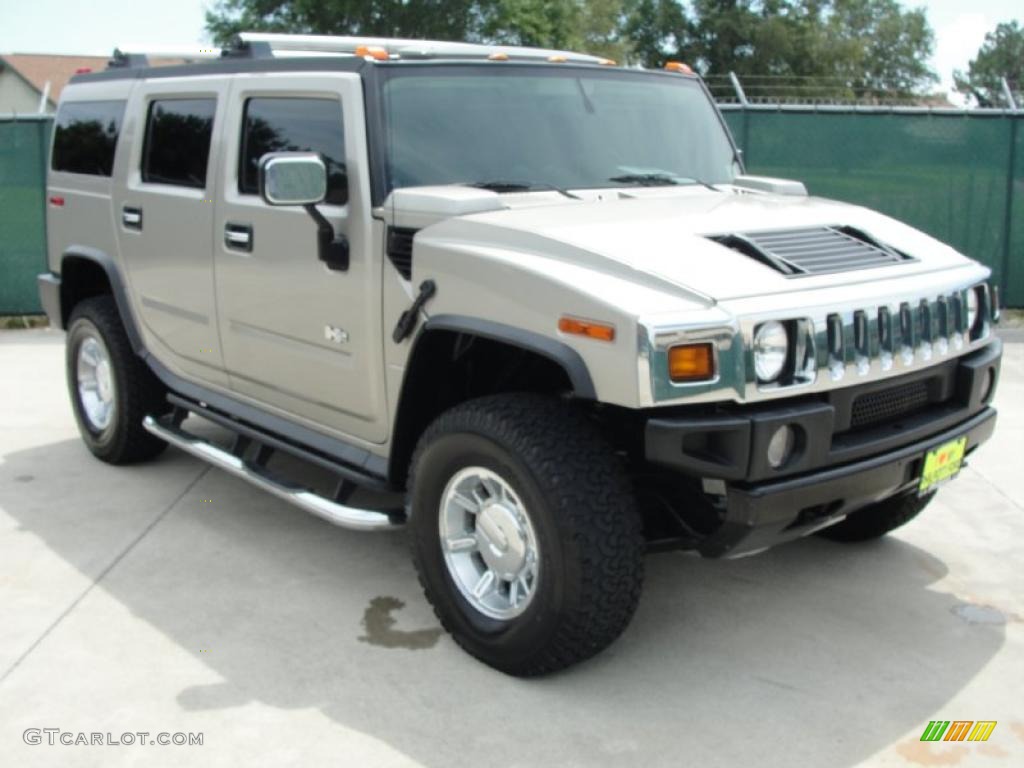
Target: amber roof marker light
<point>678,66</point>
<point>588,328</point>
<point>373,52</point>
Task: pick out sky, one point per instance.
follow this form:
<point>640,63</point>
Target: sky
<point>98,26</point>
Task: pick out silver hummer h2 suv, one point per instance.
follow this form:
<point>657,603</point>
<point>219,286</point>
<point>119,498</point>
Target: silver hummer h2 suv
<point>524,303</point>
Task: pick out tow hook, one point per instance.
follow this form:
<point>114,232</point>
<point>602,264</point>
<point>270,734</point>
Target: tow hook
<point>407,322</point>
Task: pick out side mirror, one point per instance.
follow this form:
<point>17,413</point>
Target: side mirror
<point>300,178</point>
<point>293,178</point>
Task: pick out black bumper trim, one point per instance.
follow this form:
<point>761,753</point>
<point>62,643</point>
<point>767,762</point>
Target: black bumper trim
<point>49,297</point>
<point>761,516</point>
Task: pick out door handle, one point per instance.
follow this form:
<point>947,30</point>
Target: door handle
<point>131,217</point>
<point>238,237</point>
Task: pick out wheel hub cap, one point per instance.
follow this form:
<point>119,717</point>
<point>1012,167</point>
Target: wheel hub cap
<point>95,381</point>
<point>489,544</point>
<point>502,540</point>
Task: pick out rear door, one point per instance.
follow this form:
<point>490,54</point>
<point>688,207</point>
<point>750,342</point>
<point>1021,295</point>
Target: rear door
<point>164,217</point>
<point>297,335</point>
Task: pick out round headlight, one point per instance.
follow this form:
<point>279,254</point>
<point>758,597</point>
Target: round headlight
<point>972,308</point>
<point>771,346</point>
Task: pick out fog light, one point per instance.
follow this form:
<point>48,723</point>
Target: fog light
<point>780,447</point>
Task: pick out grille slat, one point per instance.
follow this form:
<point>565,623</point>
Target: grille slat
<point>814,250</point>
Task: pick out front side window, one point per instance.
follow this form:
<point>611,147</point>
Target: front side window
<point>560,126</point>
<point>177,147</point>
<point>294,125</point>
<point>85,136</point>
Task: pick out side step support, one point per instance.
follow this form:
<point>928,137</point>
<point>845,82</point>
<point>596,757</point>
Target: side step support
<point>332,512</point>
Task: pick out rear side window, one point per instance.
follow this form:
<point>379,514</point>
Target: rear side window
<point>177,147</point>
<point>85,136</point>
<point>294,125</point>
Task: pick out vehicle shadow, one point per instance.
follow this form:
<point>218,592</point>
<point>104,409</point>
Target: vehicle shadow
<point>810,649</point>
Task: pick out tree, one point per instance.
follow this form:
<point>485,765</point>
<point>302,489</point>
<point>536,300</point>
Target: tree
<point>539,23</point>
<point>803,48</point>
<point>1000,56</point>
<point>657,31</point>
<point>445,19</point>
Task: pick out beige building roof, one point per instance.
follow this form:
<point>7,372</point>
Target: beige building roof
<point>38,68</point>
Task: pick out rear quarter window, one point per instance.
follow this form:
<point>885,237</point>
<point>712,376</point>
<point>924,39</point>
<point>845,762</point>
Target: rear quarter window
<point>85,136</point>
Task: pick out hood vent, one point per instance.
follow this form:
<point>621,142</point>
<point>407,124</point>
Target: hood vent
<point>400,249</point>
<point>813,250</point>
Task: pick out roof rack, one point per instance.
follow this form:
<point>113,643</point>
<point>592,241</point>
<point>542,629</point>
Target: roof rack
<point>274,45</point>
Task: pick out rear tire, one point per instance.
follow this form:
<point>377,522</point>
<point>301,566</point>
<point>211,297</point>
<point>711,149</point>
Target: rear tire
<point>877,520</point>
<point>111,388</point>
<point>540,462</point>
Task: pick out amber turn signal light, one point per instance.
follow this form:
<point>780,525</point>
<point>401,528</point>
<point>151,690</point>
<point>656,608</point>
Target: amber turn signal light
<point>588,328</point>
<point>691,362</point>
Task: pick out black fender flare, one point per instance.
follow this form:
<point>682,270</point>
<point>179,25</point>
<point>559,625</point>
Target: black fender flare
<point>408,423</point>
<point>117,287</point>
<point>556,351</point>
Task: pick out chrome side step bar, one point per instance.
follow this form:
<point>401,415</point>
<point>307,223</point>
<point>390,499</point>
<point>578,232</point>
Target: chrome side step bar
<point>331,511</point>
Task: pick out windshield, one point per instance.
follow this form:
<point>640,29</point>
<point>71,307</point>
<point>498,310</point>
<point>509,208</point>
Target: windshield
<point>527,127</point>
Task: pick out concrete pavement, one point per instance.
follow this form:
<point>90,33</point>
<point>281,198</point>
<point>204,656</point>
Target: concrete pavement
<point>173,598</point>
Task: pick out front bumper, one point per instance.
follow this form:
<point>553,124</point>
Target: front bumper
<point>838,467</point>
<point>763,515</point>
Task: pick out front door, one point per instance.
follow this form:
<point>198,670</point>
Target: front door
<point>298,336</point>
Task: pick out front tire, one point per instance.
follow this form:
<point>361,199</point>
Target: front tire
<point>525,488</point>
<point>877,520</point>
<point>111,389</point>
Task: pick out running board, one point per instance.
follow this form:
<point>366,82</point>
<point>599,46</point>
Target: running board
<point>331,511</point>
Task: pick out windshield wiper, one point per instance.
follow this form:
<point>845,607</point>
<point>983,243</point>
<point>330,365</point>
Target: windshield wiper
<point>500,186</point>
<point>660,180</point>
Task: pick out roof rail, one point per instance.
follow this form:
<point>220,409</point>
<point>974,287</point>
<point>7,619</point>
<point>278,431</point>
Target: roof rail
<point>399,48</point>
<point>140,55</point>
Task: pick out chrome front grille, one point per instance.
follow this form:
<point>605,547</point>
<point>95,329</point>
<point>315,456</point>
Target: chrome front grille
<point>915,331</point>
<point>865,344</point>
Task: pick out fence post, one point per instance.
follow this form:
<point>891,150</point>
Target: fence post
<point>1008,95</point>
<point>741,96</point>
<point>1015,119</point>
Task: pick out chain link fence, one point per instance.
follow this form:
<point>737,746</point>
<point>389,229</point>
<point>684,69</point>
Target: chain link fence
<point>24,143</point>
<point>958,175</point>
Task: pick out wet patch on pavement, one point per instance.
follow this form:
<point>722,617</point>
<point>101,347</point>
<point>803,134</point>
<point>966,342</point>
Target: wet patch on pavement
<point>379,623</point>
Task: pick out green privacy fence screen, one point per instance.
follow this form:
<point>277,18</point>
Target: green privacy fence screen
<point>958,176</point>
<point>24,143</point>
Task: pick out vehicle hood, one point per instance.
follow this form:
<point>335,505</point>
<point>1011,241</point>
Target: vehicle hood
<point>666,237</point>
